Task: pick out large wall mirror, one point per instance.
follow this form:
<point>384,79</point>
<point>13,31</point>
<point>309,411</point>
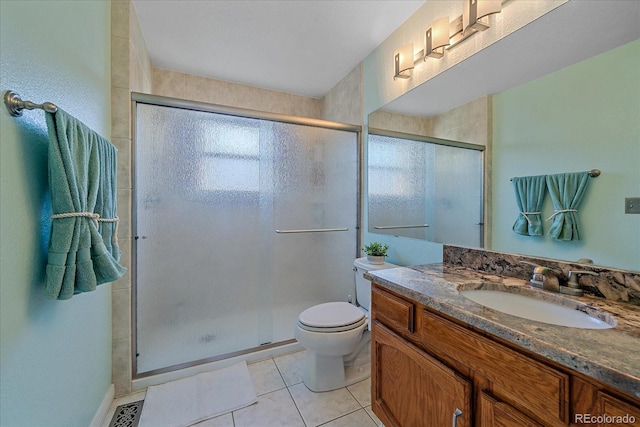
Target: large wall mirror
<point>544,100</point>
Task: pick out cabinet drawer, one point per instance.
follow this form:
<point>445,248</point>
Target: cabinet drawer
<point>494,413</point>
<point>392,311</point>
<point>619,412</point>
<point>531,387</point>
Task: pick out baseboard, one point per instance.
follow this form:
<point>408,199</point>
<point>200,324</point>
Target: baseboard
<point>103,409</point>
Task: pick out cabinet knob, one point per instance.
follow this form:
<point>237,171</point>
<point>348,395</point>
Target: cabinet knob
<point>456,414</point>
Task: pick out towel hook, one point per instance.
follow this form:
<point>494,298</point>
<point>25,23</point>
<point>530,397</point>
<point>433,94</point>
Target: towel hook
<point>15,104</point>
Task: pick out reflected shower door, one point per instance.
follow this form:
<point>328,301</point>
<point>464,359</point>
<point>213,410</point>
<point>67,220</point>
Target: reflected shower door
<point>416,183</point>
<point>398,187</point>
<point>458,196</point>
<point>212,275</point>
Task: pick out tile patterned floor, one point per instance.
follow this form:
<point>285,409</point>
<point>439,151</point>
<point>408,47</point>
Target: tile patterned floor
<point>284,401</point>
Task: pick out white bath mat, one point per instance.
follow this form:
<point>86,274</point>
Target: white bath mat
<point>194,399</point>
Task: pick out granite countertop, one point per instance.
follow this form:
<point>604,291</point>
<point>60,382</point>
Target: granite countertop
<point>608,355</point>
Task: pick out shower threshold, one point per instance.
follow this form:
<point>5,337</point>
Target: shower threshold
<point>159,376</point>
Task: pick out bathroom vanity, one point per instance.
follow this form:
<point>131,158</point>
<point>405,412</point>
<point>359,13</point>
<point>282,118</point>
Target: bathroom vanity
<point>440,359</point>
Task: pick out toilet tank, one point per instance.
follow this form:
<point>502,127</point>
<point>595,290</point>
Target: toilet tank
<point>363,286</point>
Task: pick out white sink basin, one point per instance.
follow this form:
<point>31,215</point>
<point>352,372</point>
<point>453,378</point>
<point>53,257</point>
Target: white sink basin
<point>540,306</point>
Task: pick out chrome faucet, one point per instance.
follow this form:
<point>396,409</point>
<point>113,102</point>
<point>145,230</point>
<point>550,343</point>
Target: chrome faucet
<point>550,281</point>
<point>543,277</point>
<point>547,279</point>
<point>573,287</point>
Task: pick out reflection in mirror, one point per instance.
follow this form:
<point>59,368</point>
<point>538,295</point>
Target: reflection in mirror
<point>425,188</point>
<point>570,106</point>
<point>530,130</point>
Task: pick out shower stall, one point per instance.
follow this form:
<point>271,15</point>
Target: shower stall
<point>241,221</point>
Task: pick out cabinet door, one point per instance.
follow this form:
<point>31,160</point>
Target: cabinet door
<point>494,413</point>
<point>616,412</point>
<point>531,386</point>
<point>411,388</point>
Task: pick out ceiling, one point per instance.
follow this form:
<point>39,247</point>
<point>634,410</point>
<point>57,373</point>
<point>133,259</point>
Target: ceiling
<point>303,47</point>
<point>573,32</point>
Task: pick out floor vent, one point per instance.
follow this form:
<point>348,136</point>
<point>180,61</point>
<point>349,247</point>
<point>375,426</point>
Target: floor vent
<point>127,415</point>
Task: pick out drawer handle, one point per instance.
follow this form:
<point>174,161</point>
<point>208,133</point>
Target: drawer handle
<point>456,414</point>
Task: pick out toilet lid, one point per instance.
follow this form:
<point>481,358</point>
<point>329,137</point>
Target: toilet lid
<point>331,315</point>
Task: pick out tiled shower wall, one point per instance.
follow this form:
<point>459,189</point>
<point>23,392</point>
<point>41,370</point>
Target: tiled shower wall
<point>132,71</point>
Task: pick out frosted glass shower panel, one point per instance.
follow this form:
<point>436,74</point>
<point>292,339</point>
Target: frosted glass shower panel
<point>315,187</point>
<point>413,183</point>
<point>398,186</point>
<point>212,275</point>
<point>197,199</point>
<point>232,157</point>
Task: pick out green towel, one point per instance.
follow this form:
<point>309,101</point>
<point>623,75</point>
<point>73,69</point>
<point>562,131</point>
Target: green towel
<point>529,192</point>
<point>83,252</point>
<point>566,191</point>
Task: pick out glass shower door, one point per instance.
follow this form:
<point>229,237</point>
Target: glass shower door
<point>197,296</point>
<point>315,183</point>
<point>213,276</point>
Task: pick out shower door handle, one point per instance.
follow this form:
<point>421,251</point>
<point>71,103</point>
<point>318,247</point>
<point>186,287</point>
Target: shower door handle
<point>393,227</point>
<point>313,230</point>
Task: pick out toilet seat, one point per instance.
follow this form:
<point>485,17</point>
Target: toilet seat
<point>331,317</point>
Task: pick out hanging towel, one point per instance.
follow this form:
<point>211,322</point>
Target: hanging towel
<point>530,192</point>
<point>566,191</point>
<point>83,250</point>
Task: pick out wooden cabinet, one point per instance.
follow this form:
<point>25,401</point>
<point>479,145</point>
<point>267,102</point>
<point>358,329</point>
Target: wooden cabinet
<point>413,389</point>
<point>425,366</point>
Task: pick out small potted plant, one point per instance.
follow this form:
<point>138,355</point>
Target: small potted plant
<point>376,252</point>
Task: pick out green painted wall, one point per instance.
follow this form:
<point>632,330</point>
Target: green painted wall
<point>582,117</point>
<point>55,355</point>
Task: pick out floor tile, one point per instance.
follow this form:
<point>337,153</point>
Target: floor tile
<point>318,408</point>
<point>265,376</point>
<point>359,418</point>
<point>374,416</point>
<point>225,420</point>
<point>275,409</point>
<point>291,367</point>
<point>362,392</point>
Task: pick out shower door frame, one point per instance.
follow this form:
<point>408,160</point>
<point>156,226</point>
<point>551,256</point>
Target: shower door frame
<point>162,101</point>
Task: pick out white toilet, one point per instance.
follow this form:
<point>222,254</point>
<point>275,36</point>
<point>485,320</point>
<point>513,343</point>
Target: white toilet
<point>337,338</point>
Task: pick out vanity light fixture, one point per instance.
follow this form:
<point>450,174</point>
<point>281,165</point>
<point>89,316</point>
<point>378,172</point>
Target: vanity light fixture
<point>436,38</point>
<point>403,61</point>
<point>475,13</point>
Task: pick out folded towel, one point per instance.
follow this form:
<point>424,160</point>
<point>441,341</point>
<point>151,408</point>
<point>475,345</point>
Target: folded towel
<point>566,191</point>
<point>82,179</point>
<point>529,192</point>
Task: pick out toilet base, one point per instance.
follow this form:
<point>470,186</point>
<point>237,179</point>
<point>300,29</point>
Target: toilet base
<point>326,373</point>
<point>333,373</point>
